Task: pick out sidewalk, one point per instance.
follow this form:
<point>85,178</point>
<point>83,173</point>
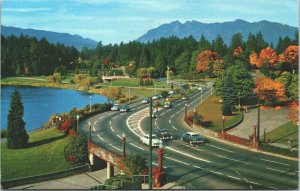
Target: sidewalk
<point>75,182</point>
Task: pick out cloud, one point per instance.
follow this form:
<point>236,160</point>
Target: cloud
<point>25,10</point>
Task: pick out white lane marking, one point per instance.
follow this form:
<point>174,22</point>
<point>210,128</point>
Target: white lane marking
<point>100,137</point>
<point>100,117</point>
<point>112,129</point>
<point>115,147</point>
<point>119,136</point>
<point>136,146</point>
<point>95,122</point>
<point>253,182</point>
<point>174,128</point>
<point>220,148</point>
<point>115,117</point>
<point>94,129</point>
<point>110,122</point>
<point>198,167</point>
<point>272,187</point>
<point>275,162</point>
<point>156,122</point>
<point>231,159</point>
<point>233,177</point>
<point>172,116</point>
<point>216,172</point>
<point>191,156</point>
<point>277,170</point>
<point>129,126</point>
<point>169,121</point>
<point>177,161</point>
<point>196,149</point>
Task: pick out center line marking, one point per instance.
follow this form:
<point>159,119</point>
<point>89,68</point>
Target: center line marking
<point>275,162</point>
<point>115,147</point>
<point>231,159</point>
<point>136,146</point>
<point>169,121</point>
<point>187,155</point>
<point>110,122</point>
<point>112,129</point>
<point>100,137</point>
<point>177,161</point>
<point>220,148</point>
<point>94,129</point>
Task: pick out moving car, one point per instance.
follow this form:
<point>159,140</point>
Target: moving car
<point>124,108</point>
<point>146,140</point>
<point>115,107</point>
<point>163,134</point>
<point>168,105</point>
<point>192,138</point>
<point>145,101</point>
<point>185,97</point>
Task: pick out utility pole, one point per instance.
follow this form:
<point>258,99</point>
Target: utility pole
<point>129,95</point>
<point>150,147</point>
<point>258,119</point>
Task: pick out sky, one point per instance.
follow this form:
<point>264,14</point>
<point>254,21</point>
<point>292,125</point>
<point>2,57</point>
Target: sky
<point>113,21</point>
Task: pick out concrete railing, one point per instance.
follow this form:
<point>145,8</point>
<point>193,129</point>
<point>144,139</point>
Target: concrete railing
<point>44,177</point>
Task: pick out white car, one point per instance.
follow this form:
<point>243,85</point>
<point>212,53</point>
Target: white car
<point>168,105</point>
<point>155,141</point>
<point>116,107</point>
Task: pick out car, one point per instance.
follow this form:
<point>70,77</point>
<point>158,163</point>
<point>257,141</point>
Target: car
<point>146,140</point>
<point>192,137</point>
<point>163,134</point>
<point>145,101</point>
<point>168,105</point>
<point>115,107</point>
<point>155,97</point>
<point>185,97</point>
<point>171,92</point>
<point>124,108</point>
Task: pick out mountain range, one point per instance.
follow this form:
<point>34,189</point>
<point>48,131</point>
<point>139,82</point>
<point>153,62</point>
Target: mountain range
<point>270,30</point>
<point>53,37</point>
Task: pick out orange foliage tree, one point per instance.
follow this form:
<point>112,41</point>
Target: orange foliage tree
<point>293,113</point>
<point>267,56</point>
<point>253,59</point>
<point>270,90</point>
<point>291,55</point>
<point>204,59</point>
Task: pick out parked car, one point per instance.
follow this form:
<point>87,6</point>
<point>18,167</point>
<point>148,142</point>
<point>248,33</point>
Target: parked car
<point>124,108</point>
<point>168,105</point>
<point>163,134</point>
<point>115,107</point>
<point>145,101</point>
<point>146,140</point>
<point>192,138</point>
<point>171,92</point>
<point>155,97</point>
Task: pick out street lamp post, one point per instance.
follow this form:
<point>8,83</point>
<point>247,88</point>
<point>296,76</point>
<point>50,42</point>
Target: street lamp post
<point>186,109</point>
<point>77,117</point>
<point>155,88</point>
<point>124,140</point>
<point>258,119</point>
<point>223,124</point>
<point>194,117</point>
<point>90,132</point>
<point>91,103</point>
<point>129,95</point>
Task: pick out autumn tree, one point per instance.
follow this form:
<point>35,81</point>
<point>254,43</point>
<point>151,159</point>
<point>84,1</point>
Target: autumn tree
<point>253,59</point>
<point>237,52</point>
<point>294,112</point>
<point>291,55</point>
<point>113,93</point>
<point>205,59</point>
<point>267,57</point>
<point>270,90</point>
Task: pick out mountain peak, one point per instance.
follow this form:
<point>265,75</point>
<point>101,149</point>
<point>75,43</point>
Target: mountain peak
<point>225,29</point>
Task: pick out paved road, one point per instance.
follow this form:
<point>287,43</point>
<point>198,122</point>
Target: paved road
<point>210,166</point>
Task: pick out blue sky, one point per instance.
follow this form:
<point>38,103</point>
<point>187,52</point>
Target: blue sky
<point>113,21</point>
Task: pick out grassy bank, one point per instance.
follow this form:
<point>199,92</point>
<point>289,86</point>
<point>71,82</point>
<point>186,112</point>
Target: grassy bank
<point>44,154</point>
<point>210,110</point>
<point>283,133</point>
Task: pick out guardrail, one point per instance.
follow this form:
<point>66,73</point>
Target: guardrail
<point>44,177</point>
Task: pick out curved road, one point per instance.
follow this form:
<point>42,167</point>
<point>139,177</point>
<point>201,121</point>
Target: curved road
<point>208,166</point>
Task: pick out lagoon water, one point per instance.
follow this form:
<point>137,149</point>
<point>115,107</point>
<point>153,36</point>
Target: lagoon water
<point>41,103</point>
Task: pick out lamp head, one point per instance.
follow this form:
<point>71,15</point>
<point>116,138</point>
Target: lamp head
<point>123,135</point>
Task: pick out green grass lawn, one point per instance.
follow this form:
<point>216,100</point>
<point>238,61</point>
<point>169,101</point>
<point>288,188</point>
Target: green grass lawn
<point>211,112</point>
<point>134,82</point>
<point>45,153</point>
<point>282,133</point>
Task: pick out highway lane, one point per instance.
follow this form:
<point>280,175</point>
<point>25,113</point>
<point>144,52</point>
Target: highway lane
<point>226,168</point>
<point>260,171</point>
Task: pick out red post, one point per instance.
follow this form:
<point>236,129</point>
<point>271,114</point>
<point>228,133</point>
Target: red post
<point>124,141</point>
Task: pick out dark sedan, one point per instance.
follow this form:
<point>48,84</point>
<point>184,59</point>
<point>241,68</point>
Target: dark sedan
<point>163,134</point>
<point>192,138</point>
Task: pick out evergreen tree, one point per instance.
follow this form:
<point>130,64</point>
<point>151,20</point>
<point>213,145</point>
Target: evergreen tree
<point>219,46</point>
<point>228,91</point>
<point>17,136</point>
<point>204,44</point>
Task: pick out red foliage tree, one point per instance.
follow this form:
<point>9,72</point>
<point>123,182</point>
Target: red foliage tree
<point>204,59</point>
<point>238,51</point>
<point>268,57</point>
<point>253,59</point>
<point>293,113</point>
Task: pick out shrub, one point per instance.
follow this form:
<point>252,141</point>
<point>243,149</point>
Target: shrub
<point>76,151</point>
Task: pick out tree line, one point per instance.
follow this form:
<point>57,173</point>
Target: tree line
<point>28,56</point>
